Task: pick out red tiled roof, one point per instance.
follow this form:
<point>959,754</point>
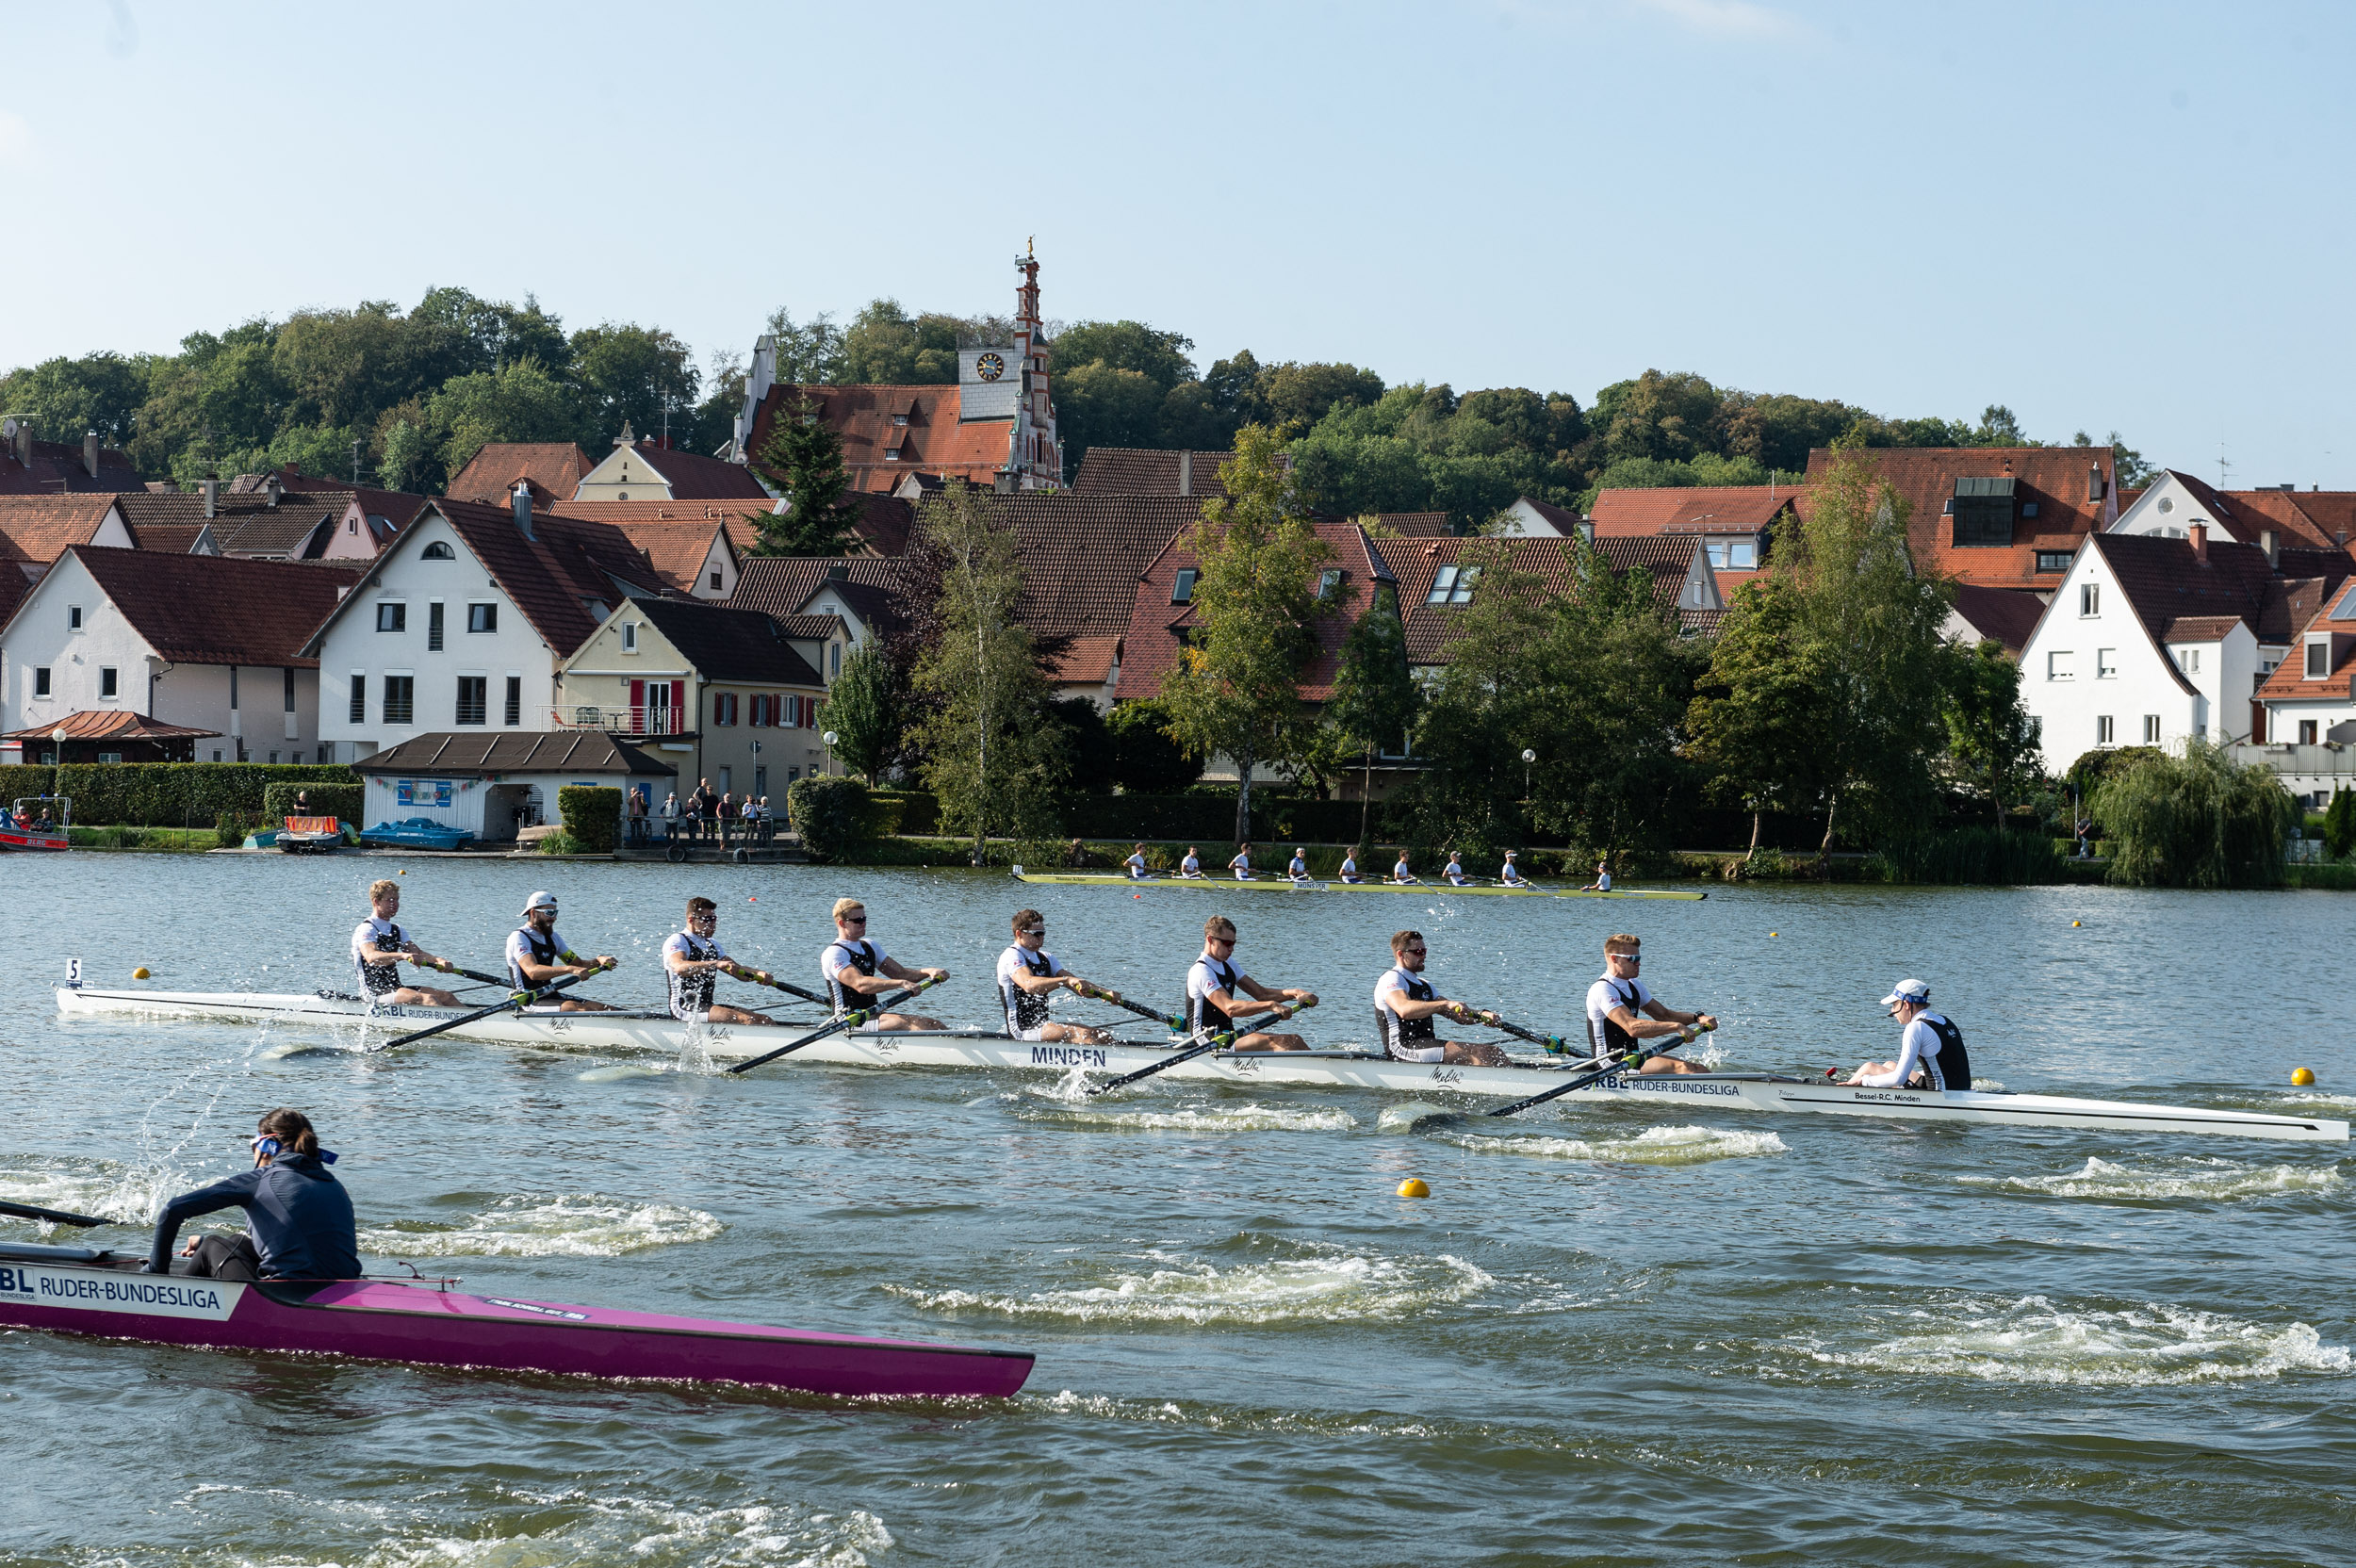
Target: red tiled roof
<point>291,477</point>
<point>2289,681</point>
<point>779,585</point>
<point>1084,662</point>
<point>1704,509</point>
<point>810,628</point>
<point>219,610</point>
<point>1150,647</point>
<point>169,538</point>
<point>933,440</point>
<point>554,468</point>
<point>2055,478</point>
<point>1564,520</point>
<point>111,724</point>
<point>43,528</point>
<point>14,585</point>
<point>2199,629</point>
<point>2165,582</point>
<point>692,477</point>
<point>674,536</point>
<point>2006,616</point>
<point>2314,519</point>
<point>57,469</point>
<point>1143,471</point>
<point>1414,525</point>
<point>1432,627</point>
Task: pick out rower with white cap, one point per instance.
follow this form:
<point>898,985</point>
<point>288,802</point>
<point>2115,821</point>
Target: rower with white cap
<point>1298,868</point>
<point>1510,874</point>
<point>1930,1052</point>
<point>537,953</point>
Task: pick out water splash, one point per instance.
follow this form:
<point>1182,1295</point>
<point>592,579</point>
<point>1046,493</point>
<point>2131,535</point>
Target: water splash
<point>1212,1118</point>
<point>2184,1177</point>
<point>1653,1145</point>
<point>1327,1285</point>
<point>2034,1341</point>
<point>576,1225</point>
<point>100,1189</point>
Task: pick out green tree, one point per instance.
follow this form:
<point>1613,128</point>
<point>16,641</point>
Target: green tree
<point>990,755</point>
<point>1160,357</point>
<point>631,375</point>
<point>1871,624</point>
<point>2200,820</point>
<point>863,712</point>
<point>803,456</point>
<point>1375,698</point>
<point>1761,699</point>
<point>1235,689</point>
<point>810,353</point>
<point>1486,708</point>
<point>1107,405</point>
<point>2339,824</point>
<point>1146,760</point>
<point>519,401</point>
<point>1992,739</point>
<point>1089,747</point>
<point>64,398</point>
<point>885,346</point>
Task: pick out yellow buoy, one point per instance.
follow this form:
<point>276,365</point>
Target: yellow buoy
<point>2077,922</point>
<point>2302,1077</point>
<point>140,973</point>
<point>1414,1187</point>
<point>1771,933</point>
<point>401,872</point>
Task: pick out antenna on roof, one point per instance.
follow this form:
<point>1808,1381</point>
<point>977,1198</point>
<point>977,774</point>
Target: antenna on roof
<point>2224,469</point>
<point>355,464</point>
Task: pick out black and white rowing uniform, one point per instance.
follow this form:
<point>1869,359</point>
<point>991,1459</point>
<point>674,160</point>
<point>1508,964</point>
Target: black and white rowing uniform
<point>1932,1046</point>
<point>1026,1012</point>
<point>373,938</point>
<point>1604,1037</point>
<point>1297,870</point>
<point>849,953</point>
<point>691,993</point>
<point>1406,1039</point>
<point>1210,975</point>
<point>525,942</point>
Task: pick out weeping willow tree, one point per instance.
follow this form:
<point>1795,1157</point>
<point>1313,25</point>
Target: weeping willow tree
<point>2200,820</point>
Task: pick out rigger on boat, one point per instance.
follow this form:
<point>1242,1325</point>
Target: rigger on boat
<point>1629,1055</point>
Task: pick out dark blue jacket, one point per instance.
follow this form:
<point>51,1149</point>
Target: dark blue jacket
<point>299,1214</point>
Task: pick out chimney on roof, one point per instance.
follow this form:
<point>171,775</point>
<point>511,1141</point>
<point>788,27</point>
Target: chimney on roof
<point>2288,489</point>
<point>1587,530</point>
<point>271,490</point>
<point>211,488</point>
<point>2198,533</point>
<point>1186,473</point>
<point>2094,482</point>
<point>23,431</point>
<point>2267,543</point>
<point>522,499</point>
<point>1003,482</point>
<point>89,451</point>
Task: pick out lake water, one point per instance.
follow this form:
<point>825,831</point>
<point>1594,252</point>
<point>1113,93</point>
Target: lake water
<point>1610,1334</point>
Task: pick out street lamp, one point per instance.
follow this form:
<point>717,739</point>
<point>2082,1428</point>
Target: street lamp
<point>1528,758</point>
<point>830,737</point>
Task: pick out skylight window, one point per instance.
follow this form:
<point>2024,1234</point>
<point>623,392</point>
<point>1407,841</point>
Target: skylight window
<point>2346,609</point>
<point>1182,591</point>
<point>1453,585</point>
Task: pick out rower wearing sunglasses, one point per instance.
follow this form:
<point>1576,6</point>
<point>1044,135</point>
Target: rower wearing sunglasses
<point>1622,1012</point>
<point>858,969</point>
<point>1405,1005</point>
<point>697,959</point>
<point>537,953</point>
<point>297,1217</point>
<point>1028,977</point>
<point>1219,994</point>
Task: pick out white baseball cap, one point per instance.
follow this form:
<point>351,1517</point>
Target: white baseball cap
<point>541,900</point>
<point>1906,990</point>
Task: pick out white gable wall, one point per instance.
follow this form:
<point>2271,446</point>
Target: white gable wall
<point>2166,511</point>
<point>353,647</point>
<point>624,476</point>
<point>2085,663</point>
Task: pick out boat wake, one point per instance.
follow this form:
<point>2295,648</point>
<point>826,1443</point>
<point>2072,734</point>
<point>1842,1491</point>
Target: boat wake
<point>543,1529</point>
<point>1206,1118</point>
<point>1326,1284</point>
<point>96,1188</point>
<point>2167,1179</point>
<point>2033,1340</point>
<point>577,1225</point>
<point>1653,1145</point>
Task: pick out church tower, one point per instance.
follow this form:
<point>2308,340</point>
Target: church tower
<point>998,384</point>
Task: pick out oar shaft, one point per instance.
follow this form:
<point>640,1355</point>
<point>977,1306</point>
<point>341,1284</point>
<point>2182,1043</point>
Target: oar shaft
<point>1141,1009</point>
<point>518,1003</point>
<point>56,1217</point>
<point>1638,1050</point>
<point>1214,1043</point>
<point>848,1021</point>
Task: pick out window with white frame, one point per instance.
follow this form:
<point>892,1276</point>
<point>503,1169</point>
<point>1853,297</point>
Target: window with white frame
<point>2060,666</point>
<point>2318,658</point>
<point>2151,729</point>
<point>108,681</point>
<point>2089,600</point>
<point>392,617</point>
<point>2191,660</point>
<point>41,681</point>
<point>2103,730</point>
<point>2107,664</point>
<point>630,636</point>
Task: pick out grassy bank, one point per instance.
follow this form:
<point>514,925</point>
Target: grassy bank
<point>150,841</point>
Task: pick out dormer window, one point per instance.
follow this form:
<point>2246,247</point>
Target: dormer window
<point>1329,584</point>
<point>2053,561</point>
<point>1983,511</point>
<point>2318,658</point>
<point>891,454</point>
<point>1182,591</point>
<point>899,418</point>
<point>1740,555</point>
<point>436,551</point>
<point>1453,585</point>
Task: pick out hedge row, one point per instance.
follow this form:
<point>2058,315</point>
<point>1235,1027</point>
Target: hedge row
<point>344,802</point>
<point>592,814</point>
<point>163,794</point>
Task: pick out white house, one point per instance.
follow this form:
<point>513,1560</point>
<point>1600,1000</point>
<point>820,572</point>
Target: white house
<point>490,785</point>
<point>201,643</point>
<point>462,622</point>
<point>642,471</point>
<point>2149,641</point>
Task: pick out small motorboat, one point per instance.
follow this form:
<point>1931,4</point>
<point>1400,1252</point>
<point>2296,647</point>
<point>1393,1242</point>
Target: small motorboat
<point>32,824</point>
<point>86,1291</point>
<point>311,836</point>
<point>416,833</point>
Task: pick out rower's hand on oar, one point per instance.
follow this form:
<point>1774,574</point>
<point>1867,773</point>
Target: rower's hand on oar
<point>935,975</point>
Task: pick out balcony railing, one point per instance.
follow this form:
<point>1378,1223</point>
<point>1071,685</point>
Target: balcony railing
<point>623,720</point>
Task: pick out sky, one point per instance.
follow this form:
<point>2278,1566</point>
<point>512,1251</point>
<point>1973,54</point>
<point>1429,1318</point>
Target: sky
<point>2107,217</point>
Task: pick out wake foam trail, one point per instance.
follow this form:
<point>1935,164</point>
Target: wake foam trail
<point>1653,1145</point>
<point>1327,1286</point>
<point>576,1225</point>
<point>2186,1177</point>
<point>2034,1341</point>
<point>1213,1119</point>
<point>99,1188</point>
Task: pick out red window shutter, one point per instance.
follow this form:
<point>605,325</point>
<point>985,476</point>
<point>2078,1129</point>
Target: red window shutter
<point>679,707</point>
<point>638,694</point>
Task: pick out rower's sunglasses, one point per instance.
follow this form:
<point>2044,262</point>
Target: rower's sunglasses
<point>1630,957</point>
<point>855,920</point>
<point>1034,931</point>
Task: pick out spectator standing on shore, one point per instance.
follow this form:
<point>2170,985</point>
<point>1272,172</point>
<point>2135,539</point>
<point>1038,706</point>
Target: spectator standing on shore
<point>726,812</point>
<point>637,817</point>
<point>670,817</point>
